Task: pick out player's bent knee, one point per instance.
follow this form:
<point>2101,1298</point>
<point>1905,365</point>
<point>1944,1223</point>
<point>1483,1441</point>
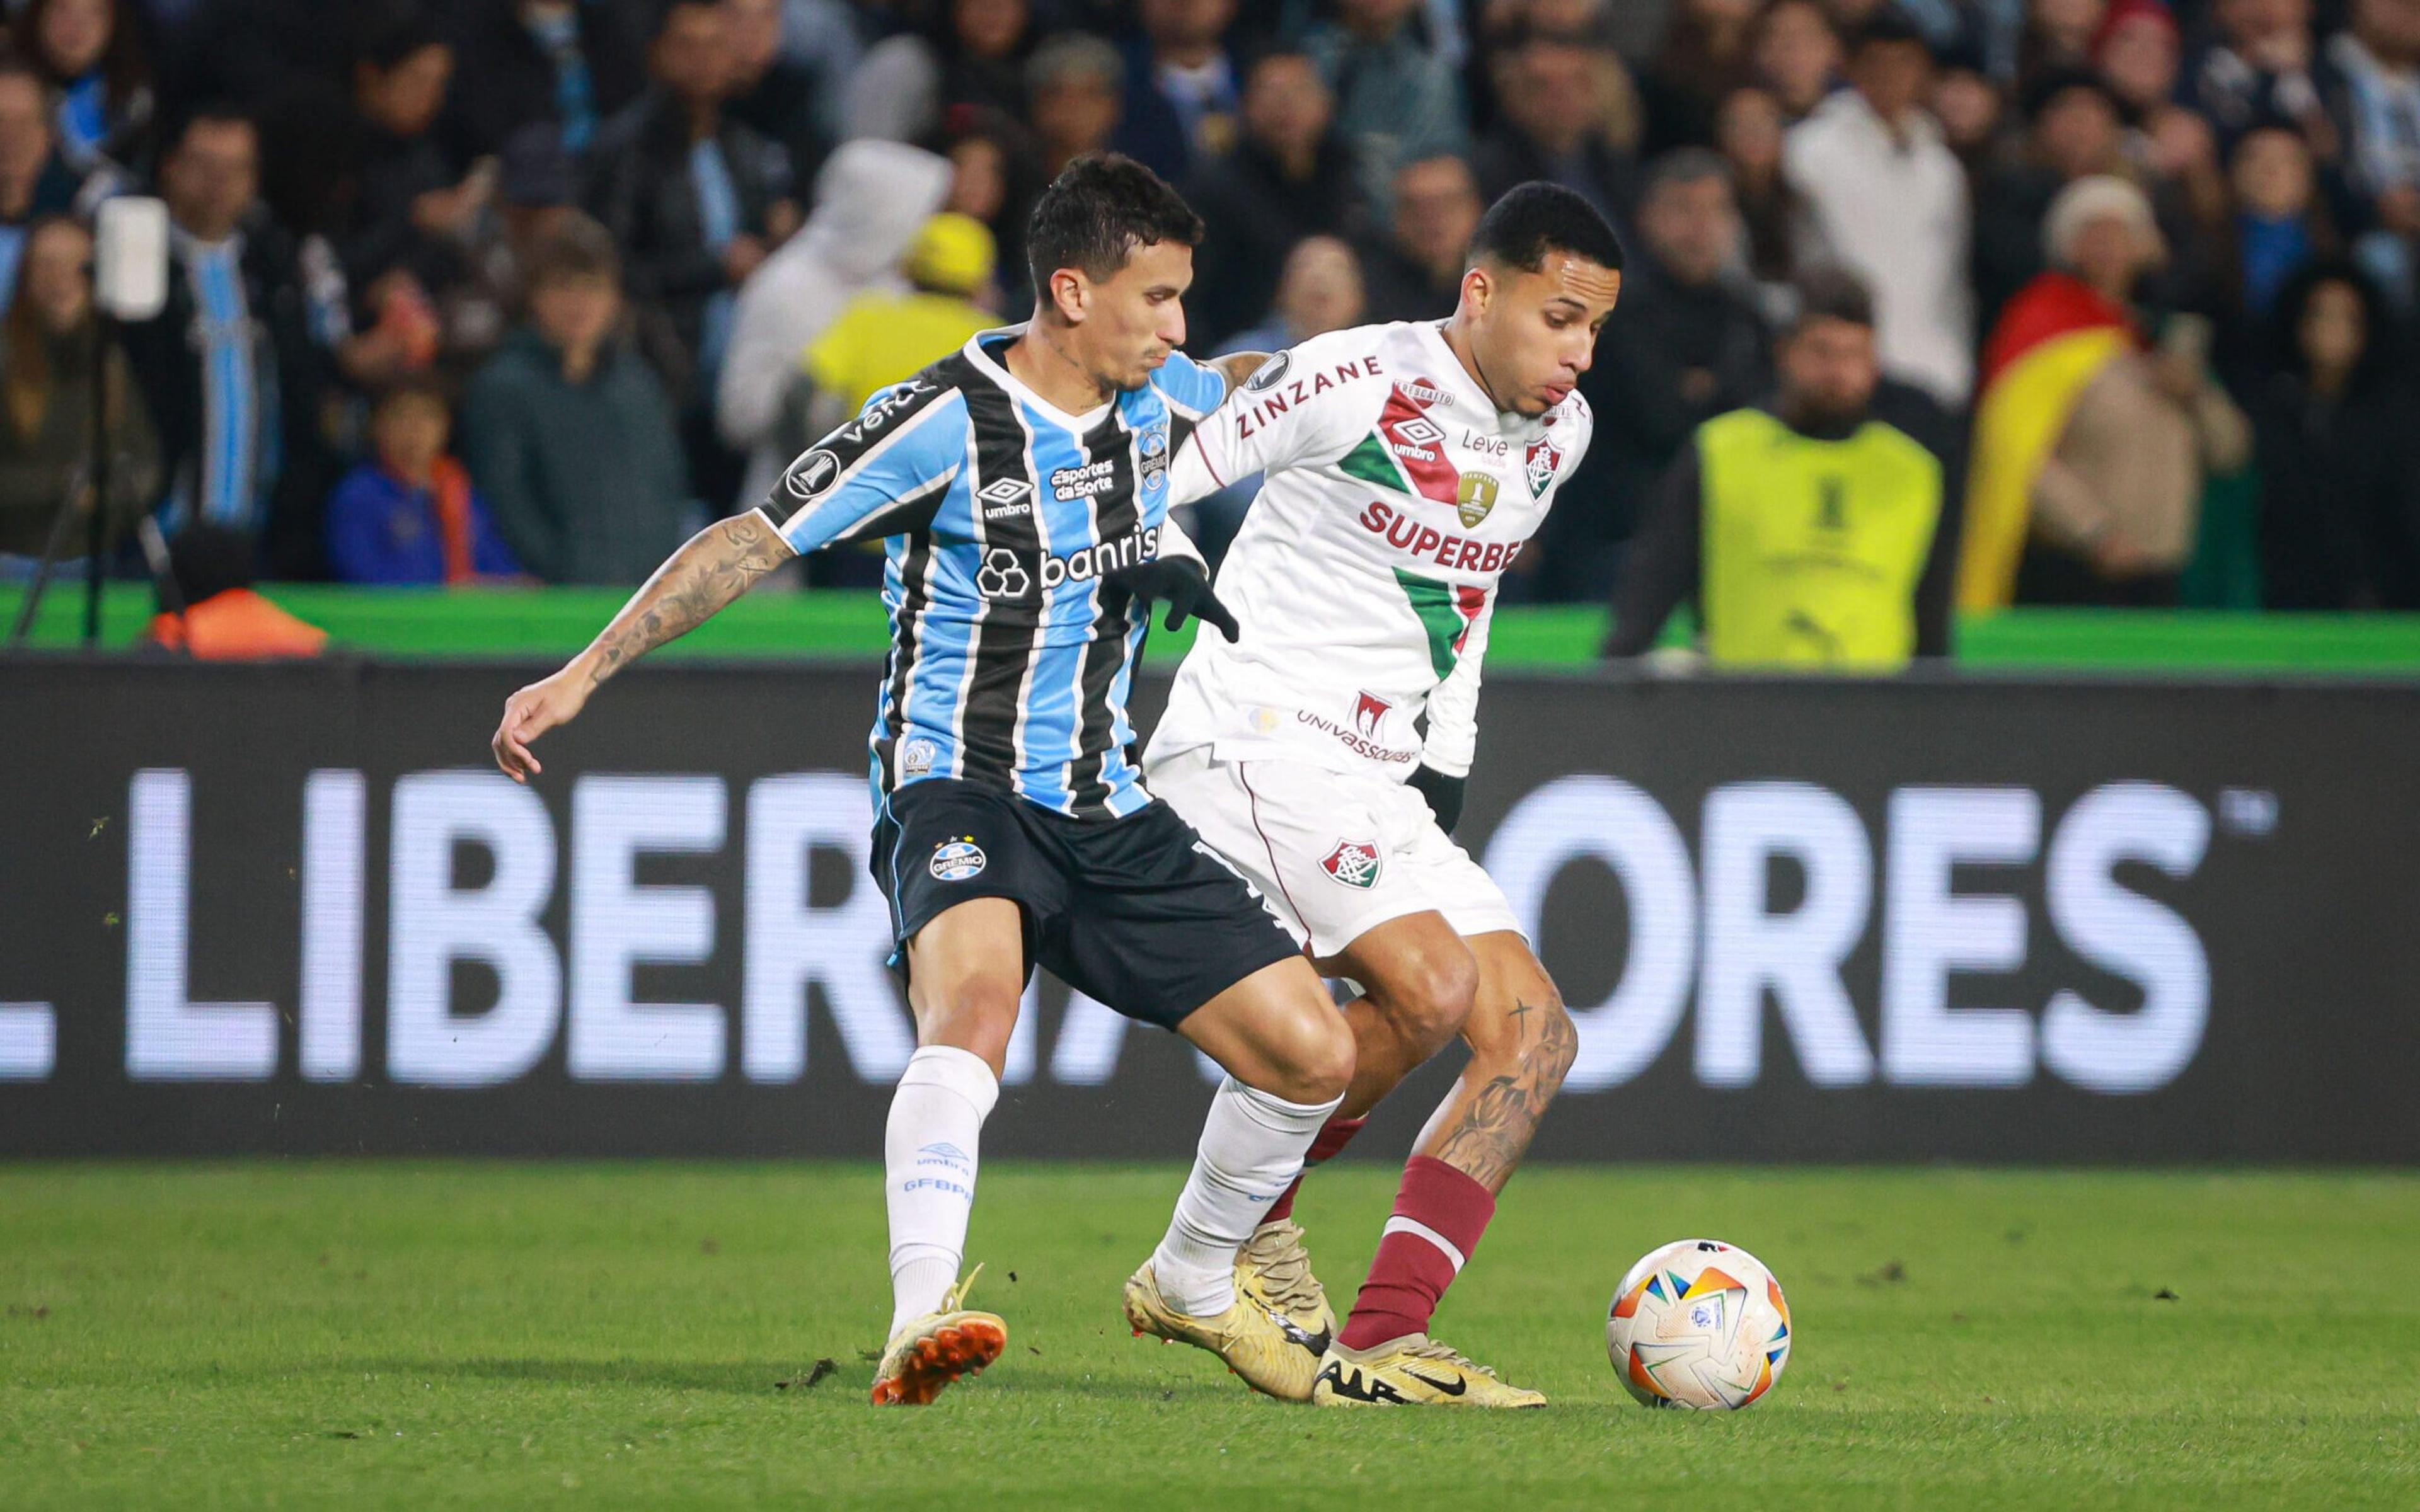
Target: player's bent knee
<point>1433,1000</point>
<point>1311,1056</point>
<point>1328,1061</point>
<point>977,1015</point>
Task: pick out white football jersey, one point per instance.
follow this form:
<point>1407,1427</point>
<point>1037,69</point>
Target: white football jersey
<point>1365,575</point>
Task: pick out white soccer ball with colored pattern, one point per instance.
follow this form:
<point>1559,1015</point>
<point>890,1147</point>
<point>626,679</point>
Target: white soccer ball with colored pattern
<point>1699,1323</point>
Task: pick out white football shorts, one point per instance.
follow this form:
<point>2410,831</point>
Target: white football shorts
<point>1333,853</point>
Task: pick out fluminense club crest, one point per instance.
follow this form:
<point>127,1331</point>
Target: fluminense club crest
<point>1545,459</point>
<point>1354,863</point>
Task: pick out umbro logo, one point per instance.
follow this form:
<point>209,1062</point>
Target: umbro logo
<point>1356,1386</point>
<point>1006,497</point>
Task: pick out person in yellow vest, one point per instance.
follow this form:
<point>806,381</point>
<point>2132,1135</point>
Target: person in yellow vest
<point>1810,533</point>
<point>882,337</point>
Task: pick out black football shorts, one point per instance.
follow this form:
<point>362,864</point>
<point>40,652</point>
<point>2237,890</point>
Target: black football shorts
<point>1136,911</point>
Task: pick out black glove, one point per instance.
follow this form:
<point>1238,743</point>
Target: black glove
<point>1181,584</point>
<point>1444,795</point>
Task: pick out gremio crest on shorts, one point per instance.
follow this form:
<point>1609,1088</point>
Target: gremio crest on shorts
<point>1354,863</point>
<point>1474,495</point>
<point>955,860</point>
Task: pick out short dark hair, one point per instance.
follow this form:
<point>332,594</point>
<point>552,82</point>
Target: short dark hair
<point>424,388</point>
<point>1537,217</point>
<point>398,37</point>
<point>1832,294</point>
<point>670,8</point>
<point>2054,84</point>
<point>579,248</point>
<point>1890,26</point>
<point>1686,165</point>
<point>214,112</point>
<point>1096,213</point>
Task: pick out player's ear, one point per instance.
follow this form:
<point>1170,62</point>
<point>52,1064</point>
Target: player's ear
<point>1071,294</point>
<point>1478,289</point>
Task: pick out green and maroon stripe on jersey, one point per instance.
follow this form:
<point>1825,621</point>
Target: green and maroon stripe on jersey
<point>1447,612</point>
<point>1406,452</point>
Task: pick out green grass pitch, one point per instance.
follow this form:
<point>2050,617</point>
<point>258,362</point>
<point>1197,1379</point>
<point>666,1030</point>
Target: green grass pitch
<point>453,1334</point>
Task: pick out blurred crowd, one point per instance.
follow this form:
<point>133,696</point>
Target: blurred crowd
<point>468,291</point>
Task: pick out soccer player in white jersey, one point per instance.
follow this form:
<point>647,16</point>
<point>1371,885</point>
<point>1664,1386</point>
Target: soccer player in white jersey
<point>1407,468</point>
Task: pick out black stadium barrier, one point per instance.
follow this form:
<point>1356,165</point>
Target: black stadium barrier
<point>293,909</point>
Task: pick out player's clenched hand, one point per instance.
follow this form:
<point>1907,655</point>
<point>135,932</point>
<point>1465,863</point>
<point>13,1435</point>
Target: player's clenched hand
<point>1181,583</point>
<point>533,712</point>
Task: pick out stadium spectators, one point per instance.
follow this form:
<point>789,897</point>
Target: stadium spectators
<point>91,56</point>
<point>2072,130</point>
<point>1748,134</point>
<point>380,223</point>
<point>407,514</point>
<point>2338,449</point>
<point>1693,347</point>
<point>695,200</point>
<point>1886,201</point>
<point>1289,178</point>
<point>47,347</point>
<point>1181,93</point>
<point>1797,56</point>
<point>1812,534</point>
<point>411,213</point>
<point>773,95</point>
<point>557,62</point>
<point>2136,53</point>
<point>911,82</point>
<point>569,434</point>
<point>1415,272</point>
<point>1558,124</point>
<point>1397,102</point>
<point>2281,225</point>
<point>235,367</point>
<point>1708,48</point>
<point>2090,450</point>
<point>1078,86</point>
<point>870,200</point>
<point>2375,108</point>
<point>2261,66</point>
<point>883,336</point>
<point>35,179</point>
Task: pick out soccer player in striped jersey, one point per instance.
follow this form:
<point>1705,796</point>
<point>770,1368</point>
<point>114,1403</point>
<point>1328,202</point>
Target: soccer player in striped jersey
<point>1021,489</point>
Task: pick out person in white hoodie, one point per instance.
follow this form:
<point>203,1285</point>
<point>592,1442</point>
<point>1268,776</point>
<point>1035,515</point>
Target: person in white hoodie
<point>870,199</point>
<point>1884,199</point>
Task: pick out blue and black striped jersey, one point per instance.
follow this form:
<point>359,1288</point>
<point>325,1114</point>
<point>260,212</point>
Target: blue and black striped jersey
<point>999,514</point>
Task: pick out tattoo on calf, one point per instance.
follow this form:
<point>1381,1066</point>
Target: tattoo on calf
<point>1496,1131</point>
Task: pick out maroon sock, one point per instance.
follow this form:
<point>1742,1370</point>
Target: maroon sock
<point>1440,1214</point>
<point>1333,1135</point>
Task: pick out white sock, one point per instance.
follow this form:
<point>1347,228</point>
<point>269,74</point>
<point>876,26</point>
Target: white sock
<point>928,1157</point>
<point>1252,1146</point>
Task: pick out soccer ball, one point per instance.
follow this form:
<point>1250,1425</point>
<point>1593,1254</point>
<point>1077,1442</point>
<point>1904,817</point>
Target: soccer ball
<point>1699,1323</point>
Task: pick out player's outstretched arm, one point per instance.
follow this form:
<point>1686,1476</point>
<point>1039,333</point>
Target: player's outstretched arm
<point>713,567</point>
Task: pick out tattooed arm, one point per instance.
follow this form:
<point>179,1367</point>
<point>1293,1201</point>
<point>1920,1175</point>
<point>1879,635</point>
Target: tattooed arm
<point>712,568</point>
<point>1237,366</point>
